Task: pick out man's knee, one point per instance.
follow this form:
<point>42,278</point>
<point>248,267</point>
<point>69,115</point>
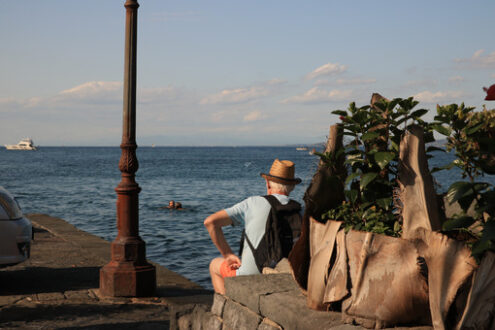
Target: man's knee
<point>215,265</point>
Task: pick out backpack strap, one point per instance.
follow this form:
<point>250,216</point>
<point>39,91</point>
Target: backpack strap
<point>273,204</point>
<point>292,206</point>
<point>249,242</point>
<point>241,244</point>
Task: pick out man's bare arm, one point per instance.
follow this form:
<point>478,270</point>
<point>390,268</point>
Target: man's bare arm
<point>214,224</point>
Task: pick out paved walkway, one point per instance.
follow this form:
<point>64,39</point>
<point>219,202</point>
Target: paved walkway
<point>57,288</point>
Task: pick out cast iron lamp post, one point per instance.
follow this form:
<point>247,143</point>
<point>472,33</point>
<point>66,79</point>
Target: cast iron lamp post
<point>128,274</point>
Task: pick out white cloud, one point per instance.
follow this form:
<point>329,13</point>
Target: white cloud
<point>276,82</point>
<point>323,82</point>
<point>326,70</point>
<point>170,94</point>
<point>422,83</point>
<point>236,96</point>
<point>228,115</point>
<point>10,103</point>
<point>478,60</point>
<point>93,92</point>
<point>317,95</point>
<point>254,115</point>
<point>245,95</point>
<point>92,87</point>
<point>433,97</point>
<point>100,95</point>
<point>356,81</point>
<point>456,79</point>
<point>235,116</point>
<point>478,53</point>
<point>349,81</point>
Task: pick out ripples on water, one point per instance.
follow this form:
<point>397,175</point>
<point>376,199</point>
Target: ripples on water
<point>77,184</point>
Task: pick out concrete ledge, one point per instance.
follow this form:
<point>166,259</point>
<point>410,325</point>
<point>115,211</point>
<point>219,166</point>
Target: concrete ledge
<point>169,283</point>
<point>188,303</point>
<point>247,290</point>
<point>290,311</point>
<point>218,305</point>
<point>236,316</point>
<point>278,301</point>
<point>61,228</point>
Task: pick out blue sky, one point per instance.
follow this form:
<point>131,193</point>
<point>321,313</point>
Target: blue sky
<point>232,72</point>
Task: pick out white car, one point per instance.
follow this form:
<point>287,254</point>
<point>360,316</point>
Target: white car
<point>15,231</point>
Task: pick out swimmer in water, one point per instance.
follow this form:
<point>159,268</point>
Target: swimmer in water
<point>173,205</point>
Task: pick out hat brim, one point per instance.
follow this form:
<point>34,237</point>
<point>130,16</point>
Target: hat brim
<point>280,180</point>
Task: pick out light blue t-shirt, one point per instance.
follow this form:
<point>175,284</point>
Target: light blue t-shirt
<point>252,213</point>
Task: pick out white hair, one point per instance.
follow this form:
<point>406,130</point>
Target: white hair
<point>284,188</point>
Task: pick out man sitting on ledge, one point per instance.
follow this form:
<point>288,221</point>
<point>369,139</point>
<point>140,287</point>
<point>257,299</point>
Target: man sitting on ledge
<point>252,213</point>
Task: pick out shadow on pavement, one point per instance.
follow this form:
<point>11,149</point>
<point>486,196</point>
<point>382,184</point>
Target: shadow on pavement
<point>39,230</point>
<point>174,291</point>
<point>133,325</point>
<point>111,314</point>
<point>33,280</point>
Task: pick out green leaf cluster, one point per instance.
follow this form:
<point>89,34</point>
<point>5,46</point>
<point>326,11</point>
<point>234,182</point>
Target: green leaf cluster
<point>371,151</point>
<point>470,135</point>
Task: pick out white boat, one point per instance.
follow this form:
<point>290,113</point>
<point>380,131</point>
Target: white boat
<point>301,148</point>
<point>24,144</point>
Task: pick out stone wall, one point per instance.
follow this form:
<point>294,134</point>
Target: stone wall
<point>262,302</point>
<point>258,302</point>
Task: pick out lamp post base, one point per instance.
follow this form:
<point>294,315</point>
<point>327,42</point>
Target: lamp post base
<point>124,279</point>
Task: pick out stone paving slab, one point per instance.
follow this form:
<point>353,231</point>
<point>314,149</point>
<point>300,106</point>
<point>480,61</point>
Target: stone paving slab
<point>57,288</point>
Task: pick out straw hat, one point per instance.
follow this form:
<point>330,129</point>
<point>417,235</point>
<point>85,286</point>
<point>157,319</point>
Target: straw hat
<point>282,171</point>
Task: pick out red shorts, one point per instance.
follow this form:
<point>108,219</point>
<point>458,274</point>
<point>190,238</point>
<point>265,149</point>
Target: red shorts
<point>226,271</point>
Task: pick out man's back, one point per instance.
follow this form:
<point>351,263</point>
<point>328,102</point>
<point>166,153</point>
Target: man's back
<point>252,213</point>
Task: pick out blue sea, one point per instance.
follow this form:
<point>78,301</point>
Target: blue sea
<point>77,184</point>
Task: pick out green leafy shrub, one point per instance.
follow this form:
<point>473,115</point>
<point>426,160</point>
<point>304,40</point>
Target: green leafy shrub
<point>371,152</point>
<point>471,136</point>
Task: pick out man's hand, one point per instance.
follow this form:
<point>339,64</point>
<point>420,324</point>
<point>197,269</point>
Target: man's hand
<point>233,261</point>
